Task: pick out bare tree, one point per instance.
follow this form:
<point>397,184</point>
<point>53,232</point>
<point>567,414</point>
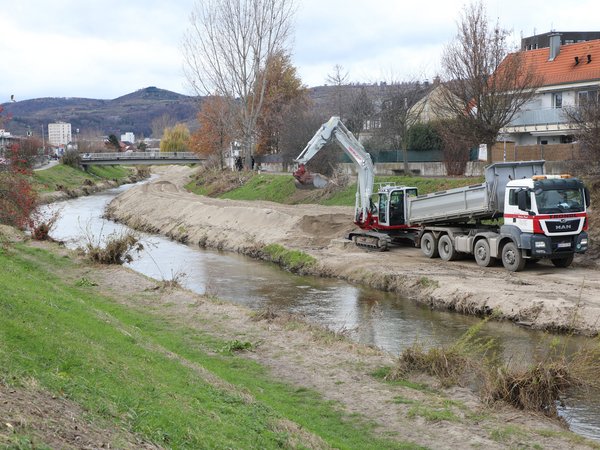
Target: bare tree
<point>338,78</point>
<point>585,118</point>
<point>490,84</point>
<point>160,123</point>
<point>298,128</point>
<point>361,108</point>
<point>398,113</point>
<point>226,49</point>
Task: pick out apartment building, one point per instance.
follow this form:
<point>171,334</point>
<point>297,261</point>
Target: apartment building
<point>59,134</point>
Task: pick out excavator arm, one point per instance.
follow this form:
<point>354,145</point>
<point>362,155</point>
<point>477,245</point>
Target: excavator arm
<point>334,130</point>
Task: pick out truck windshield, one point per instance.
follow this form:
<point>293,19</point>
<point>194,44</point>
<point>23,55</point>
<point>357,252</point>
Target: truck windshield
<point>559,201</point>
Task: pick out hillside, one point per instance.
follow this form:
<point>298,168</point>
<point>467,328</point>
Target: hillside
<point>132,112</point>
<point>136,111</point>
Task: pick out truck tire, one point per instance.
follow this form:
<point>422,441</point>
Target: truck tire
<point>512,259</point>
<point>563,262</point>
<point>429,245</point>
<point>482,253</point>
<point>446,248</point>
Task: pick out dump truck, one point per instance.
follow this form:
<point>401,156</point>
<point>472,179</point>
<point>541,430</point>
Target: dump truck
<point>517,214</point>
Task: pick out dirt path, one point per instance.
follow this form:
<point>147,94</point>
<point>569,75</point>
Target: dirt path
<point>541,296</point>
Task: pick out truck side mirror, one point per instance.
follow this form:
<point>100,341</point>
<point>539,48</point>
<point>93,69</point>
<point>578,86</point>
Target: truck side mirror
<point>586,192</point>
<point>522,197</point>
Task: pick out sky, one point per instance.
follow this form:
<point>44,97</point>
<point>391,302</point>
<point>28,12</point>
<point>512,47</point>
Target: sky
<point>108,48</point>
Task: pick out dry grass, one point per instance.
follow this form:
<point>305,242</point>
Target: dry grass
<point>538,388</point>
<point>469,362</point>
<point>117,249</point>
<point>215,182</point>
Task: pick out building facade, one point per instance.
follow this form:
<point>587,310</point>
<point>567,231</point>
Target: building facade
<point>569,74</point>
<point>59,134</point>
<point>128,137</point>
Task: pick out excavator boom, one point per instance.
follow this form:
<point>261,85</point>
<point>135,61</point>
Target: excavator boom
<point>335,131</point>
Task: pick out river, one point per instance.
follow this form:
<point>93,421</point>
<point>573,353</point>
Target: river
<point>369,316</point>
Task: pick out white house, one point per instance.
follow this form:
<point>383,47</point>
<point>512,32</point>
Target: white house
<point>569,73</point>
<point>128,137</point>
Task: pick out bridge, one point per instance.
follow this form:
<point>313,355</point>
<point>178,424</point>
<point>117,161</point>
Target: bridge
<point>139,158</point>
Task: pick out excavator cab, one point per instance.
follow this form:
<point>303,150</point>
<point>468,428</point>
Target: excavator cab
<point>393,203</point>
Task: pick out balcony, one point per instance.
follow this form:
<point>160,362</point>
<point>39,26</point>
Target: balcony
<point>545,116</point>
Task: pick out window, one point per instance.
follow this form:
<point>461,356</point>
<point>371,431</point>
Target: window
<point>513,197</point>
<point>557,100</point>
<point>583,97</point>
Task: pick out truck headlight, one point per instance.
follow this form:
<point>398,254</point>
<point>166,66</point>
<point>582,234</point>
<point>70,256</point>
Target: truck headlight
<point>583,241</point>
<point>540,244</point>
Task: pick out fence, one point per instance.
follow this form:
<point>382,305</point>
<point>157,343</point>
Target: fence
<point>547,152</point>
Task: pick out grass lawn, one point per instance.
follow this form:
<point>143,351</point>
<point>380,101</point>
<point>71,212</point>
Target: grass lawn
<point>61,175</point>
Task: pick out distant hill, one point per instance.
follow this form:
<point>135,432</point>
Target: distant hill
<point>132,112</point>
<point>135,111</point>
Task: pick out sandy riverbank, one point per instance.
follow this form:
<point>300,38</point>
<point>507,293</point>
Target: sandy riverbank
<point>541,296</point>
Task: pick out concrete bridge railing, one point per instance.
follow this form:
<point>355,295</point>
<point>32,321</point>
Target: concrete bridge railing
<point>152,157</point>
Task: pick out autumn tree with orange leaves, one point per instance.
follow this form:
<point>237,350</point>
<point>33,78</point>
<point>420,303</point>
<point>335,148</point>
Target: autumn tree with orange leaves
<point>216,131</point>
<point>284,93</point>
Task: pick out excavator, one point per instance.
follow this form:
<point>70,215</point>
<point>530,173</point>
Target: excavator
<point>381,222</point>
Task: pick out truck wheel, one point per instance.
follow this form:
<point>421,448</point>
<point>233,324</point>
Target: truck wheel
<point>446,248</point>
<point>563,262</point>
<point>512,258</point>
<point>482,253</point>
<point>429,246</point>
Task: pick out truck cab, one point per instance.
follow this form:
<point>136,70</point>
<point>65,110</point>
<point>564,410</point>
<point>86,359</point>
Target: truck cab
<point>547,214</point>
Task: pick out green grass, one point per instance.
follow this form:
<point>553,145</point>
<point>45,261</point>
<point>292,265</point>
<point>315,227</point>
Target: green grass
<point>113,361</point>
<point>432,414</point>
<point>68,177</point>
<point>292,260</point>
<point>281,188</point>
<point>275,188</point>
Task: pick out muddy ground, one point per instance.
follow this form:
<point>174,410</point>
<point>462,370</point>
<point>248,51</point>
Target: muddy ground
<point>541,296</point>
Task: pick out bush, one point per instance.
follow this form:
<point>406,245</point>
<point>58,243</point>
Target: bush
<point>42,226</point>
<point>18,200</point>
<point>71,158</point>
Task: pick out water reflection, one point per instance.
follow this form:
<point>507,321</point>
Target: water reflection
<point>371,317</point>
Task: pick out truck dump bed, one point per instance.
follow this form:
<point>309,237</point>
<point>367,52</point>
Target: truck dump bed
<point>479,201</point>
<point>453,205</point>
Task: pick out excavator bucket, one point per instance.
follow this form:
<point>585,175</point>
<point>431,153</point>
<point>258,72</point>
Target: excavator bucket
<point>308,180</point>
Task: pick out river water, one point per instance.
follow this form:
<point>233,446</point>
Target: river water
<point>369,316</point>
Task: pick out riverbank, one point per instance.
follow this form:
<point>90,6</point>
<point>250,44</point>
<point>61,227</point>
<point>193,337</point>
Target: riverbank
<point>61,182</point>
<point>541,297</point>
<point>93,378</point>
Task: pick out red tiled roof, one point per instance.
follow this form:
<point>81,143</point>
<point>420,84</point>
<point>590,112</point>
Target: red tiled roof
<point>563,69</point>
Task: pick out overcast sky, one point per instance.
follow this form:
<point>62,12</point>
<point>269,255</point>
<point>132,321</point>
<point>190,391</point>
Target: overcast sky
<point>108,48</point>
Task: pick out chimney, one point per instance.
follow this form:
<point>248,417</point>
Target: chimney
<point>554,45</point>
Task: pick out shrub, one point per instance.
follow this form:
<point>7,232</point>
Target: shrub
<point>71,158</point>
<point>18,200</point>
<point>42,226</point>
